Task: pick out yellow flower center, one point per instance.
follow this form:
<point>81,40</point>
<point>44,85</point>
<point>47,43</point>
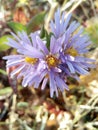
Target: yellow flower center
<point>51,61</point>
<point>31,60</point>
<point>72,51</point>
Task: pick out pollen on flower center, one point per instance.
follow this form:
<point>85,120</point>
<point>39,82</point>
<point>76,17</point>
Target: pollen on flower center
<point>71,51</point>
<point>51,61</point>
<point>31,60</point>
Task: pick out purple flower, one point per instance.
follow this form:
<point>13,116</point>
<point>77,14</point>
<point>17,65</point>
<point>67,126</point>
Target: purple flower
<point>59,25</point>
<point>27,62</point>
<point>74,46</point>
<point>52,62</point>
<point>51,71</point>
<point>35,63</point>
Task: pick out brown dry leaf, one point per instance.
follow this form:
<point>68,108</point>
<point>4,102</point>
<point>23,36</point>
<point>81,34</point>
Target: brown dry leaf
<point>85,80</point>
<point>91,80</point>
<point>20,16</point>
<point>52,120</point>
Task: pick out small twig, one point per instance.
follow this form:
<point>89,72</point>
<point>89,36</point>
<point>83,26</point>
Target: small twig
<point>88,107</point>
<point>68,3</point>
<point>77,18</point>
<point>5,110</point>
<point>39,112</point>
<point>44,120</point>
<point>53,6</point>
<point>91,125</point>
<point>74,7</point>
<point>93,8</point>
<point>12,115</point>
<point>91,102</point>
<point>24,125</point>
<point>84,11</point>
<point>3,123</point>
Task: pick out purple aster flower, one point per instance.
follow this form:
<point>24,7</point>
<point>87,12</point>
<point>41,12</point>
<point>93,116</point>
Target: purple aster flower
<point>27,62</point>
<point>58,26</point>
<point>73,47</point>
<point>50,70</point>
<point>35,63</point>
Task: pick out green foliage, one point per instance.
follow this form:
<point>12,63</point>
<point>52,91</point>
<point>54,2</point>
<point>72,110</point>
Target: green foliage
<point>17,27</point>
<point>48,36</point>
<point>3,72</point>
<point>35,21</point>
<point>3,40</point>
<point>5,91</point>
<point>44,34</point>
<point>92,30</point>
<point>22,104</point>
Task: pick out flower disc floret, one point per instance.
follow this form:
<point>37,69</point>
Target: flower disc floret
<point>51,60</point>
<point>31,60</point>
<point>71,51</point>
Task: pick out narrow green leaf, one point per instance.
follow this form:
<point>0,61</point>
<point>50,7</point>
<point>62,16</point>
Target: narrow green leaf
<point>35,21</point>
<point>48,37</point>
<point>5,91</point>
<point>3,72</point>
<point>17,27</point>
<point>3,40</point>
<point>43,31</point>
<point>22,104</point>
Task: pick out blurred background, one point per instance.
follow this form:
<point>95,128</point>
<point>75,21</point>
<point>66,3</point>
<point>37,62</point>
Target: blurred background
<point>33,109</point>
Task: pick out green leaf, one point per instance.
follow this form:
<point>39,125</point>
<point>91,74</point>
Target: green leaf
<point>35,21</point>
<point>5,91</point>
<point>48,36</point>
<point>43,31</point>
<point>3,72</point>
<point>17,27</point>
<point>22,104</point>
<point>3,40</point>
